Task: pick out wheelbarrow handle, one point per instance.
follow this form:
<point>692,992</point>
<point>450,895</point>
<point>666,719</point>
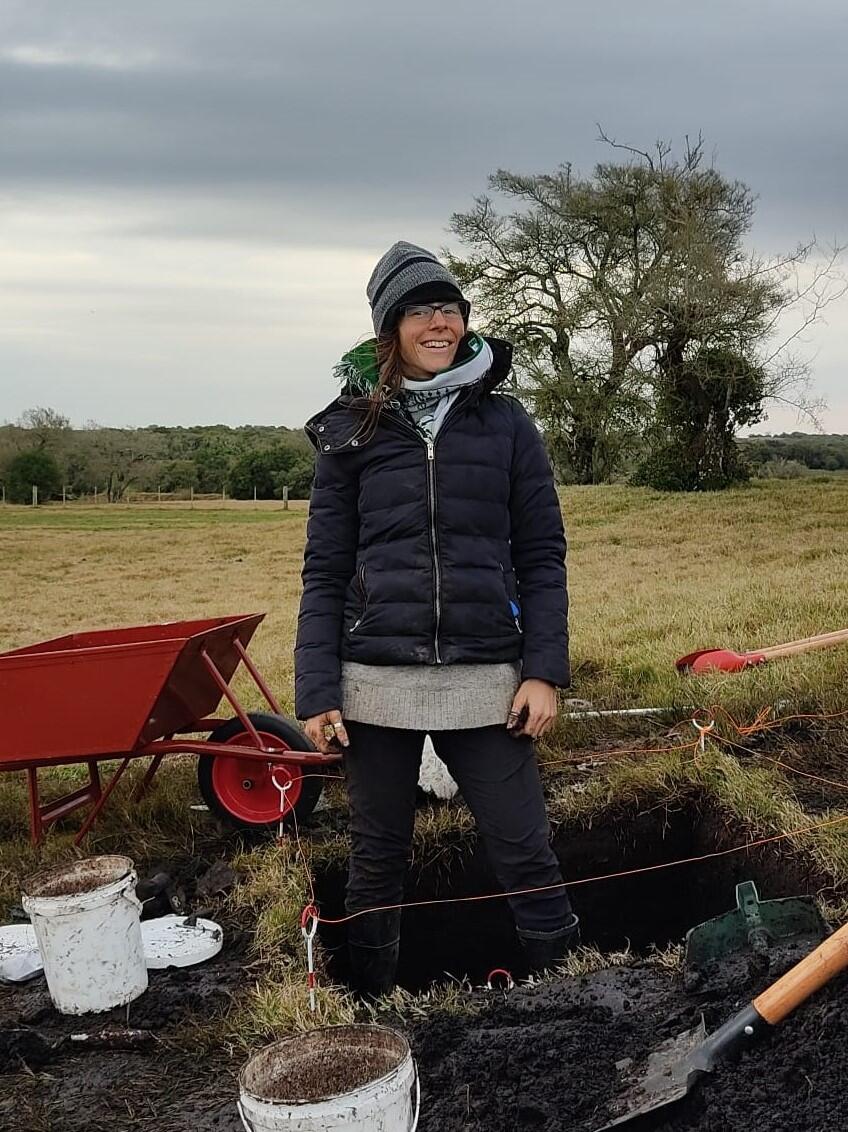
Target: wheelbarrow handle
<point>804,979</point>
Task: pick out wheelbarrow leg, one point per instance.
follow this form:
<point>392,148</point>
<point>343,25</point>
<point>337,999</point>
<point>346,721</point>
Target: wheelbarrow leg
<point>102,799</point>
<point>36,826</point>
<point>94,780</point>
<point>42,816</point>
<point>141,788</point>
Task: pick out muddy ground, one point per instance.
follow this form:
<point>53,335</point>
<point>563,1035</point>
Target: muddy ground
<point>165,1083</point>
<point>545,1058</point>
<point>541,1057</point>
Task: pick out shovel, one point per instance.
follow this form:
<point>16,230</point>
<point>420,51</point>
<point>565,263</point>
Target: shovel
<point>674,1067</point>
<point>725,660</point>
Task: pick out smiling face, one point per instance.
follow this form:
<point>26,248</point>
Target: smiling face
<point>429,345</point>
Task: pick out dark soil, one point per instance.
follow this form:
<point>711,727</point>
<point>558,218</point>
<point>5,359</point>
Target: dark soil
<point>170,1091</point>
<point>640,910</point>
<point>318,1068</point>
<point>545,1058</point>
<point>166,1083</point>
<point>540,1057</point>
<point>78,877</point>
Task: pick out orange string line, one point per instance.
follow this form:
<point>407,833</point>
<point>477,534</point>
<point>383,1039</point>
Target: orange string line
<point>783,765</point>
<point>590,880</point>
<point>300,850</point>
<point>548,763</point>
<point>806,774</point>
<point>760,723</point>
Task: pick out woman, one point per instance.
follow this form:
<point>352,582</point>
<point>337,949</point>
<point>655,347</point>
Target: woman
<point>434,601</point>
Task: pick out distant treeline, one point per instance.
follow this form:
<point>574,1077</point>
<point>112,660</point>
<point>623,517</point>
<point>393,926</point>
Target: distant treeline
<point>822,452</point>
<point>43,449</point>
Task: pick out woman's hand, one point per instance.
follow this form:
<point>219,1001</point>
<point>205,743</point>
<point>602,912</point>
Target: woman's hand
<point>326,731</point>
<point>533,710</point>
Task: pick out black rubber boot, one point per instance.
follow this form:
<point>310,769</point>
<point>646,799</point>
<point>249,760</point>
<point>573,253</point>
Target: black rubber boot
<point>373,946</point>
<point>546,949</point>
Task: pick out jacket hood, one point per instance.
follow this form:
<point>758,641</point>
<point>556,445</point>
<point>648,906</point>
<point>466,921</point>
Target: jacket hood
<point>337,424</point>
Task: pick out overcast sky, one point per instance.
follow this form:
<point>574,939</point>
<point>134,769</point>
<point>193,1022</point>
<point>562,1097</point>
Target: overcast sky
<point>194,192</point>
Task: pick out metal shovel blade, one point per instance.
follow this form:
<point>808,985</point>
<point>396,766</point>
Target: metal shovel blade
<point>666,1076</point>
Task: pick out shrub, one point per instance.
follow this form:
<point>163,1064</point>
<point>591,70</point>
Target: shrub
<point>780,469</point>
<point>32,468</point>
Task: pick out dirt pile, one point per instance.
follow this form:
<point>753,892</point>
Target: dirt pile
<point>541,1057</point>
<point>545,1058</point>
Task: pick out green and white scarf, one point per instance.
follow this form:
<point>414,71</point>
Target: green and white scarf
<point>425,401</point>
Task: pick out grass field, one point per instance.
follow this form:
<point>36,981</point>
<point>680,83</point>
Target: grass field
<point>651,577</point>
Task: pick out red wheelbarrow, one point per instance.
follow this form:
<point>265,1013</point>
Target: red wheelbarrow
<point>121,694</point>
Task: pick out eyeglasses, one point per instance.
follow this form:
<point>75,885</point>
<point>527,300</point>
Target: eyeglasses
<point>423,312</point>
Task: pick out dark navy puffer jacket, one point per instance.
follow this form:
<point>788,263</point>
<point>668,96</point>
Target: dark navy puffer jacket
<point>443,552</point>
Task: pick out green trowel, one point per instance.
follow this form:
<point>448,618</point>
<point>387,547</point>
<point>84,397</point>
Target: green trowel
<point>754,927</point>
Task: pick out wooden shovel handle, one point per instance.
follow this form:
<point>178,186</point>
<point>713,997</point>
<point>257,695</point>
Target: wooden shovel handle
<point>822,641</point>
<point>804,979</point>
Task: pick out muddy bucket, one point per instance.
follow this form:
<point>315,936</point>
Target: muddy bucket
<point>86,920</point>
<point>335,1079</point>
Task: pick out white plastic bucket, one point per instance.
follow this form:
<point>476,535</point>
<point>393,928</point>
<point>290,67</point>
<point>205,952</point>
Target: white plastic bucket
<point>86,920</point>
<point>335,1079</point>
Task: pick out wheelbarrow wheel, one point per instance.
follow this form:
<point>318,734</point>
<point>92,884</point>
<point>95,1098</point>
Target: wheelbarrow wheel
<point>243,792</point>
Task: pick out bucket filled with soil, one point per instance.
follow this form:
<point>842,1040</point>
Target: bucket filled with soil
<point>86,919</point>
<point>344,1078</point>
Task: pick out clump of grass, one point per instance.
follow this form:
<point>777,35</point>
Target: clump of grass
<point>275,890</point>
<point>276,1007</point>
<point>586,960</point>
<point>666,958</point>
<point>761,799</point>
<point>452,997</point>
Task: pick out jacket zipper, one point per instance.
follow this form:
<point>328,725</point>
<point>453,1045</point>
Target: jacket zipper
<point>437,569</point>
<point>430,445</point>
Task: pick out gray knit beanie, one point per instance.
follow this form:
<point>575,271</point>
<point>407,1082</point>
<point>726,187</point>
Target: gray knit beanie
<point>404,268</point>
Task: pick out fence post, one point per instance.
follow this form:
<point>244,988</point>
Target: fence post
<point>224,494</point>
<point>4,493</point>
<point>64,495</point>
<point>191,495</point>
<point>285,498</point>
<point>159,494</point>
<point>254,493</point>
<point>35,495</point>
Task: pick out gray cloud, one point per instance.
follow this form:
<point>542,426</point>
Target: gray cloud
<point>340,125</point>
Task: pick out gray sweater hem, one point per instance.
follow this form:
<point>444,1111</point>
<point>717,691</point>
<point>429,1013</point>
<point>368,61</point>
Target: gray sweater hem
<point>429,697</point>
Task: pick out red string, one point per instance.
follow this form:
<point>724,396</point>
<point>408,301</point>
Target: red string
<point>300,851</point>
<point>760,723</point>
<point>590,880</point>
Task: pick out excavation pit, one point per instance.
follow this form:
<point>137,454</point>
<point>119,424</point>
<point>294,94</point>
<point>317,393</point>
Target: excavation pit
<point>623,886</point>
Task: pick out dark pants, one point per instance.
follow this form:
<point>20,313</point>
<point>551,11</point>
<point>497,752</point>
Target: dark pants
<point>499,780</point>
